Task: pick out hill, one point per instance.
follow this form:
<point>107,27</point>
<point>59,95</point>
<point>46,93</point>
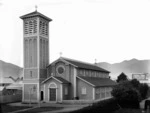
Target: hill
<point>8,69</point>
<point>127,66</point>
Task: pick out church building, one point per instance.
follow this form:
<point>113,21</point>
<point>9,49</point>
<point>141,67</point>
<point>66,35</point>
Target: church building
<point>63,79</point>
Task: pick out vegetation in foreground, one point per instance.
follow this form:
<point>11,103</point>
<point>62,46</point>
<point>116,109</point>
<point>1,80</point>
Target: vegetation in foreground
<point>129,93</point>
<point>128,110</point>
<point>127,96</point>
<point>105,106</point>
<point>7,108</point>
<point>41,109</point>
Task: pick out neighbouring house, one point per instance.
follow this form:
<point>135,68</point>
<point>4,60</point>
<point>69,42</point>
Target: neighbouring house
<point>4,82</point>
<point>64,79</point>
<point>10,90</point>
<point>142,77</point>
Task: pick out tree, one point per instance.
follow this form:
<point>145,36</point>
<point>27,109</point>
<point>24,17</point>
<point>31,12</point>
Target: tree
<point>135,83</point>
<point>126,95</point>
<point>130,93</point>
<point>143,89</point>
<point>122,77</point>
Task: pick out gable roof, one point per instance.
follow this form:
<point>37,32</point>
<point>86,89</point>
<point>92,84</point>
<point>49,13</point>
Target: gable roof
<point>62,80</point>
<point>97,82</point>
<point>59,79</point>
<point>84,65</point>
<point>35,13</point>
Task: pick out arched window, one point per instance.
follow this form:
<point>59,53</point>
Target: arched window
<point>52,85</point>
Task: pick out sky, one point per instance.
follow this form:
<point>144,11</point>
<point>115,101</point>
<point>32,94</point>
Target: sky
<point>106,30</point>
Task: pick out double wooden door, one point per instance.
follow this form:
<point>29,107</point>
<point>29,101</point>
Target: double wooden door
<point>52,92</point>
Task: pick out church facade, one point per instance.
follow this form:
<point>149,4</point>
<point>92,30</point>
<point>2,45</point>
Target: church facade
<point>63,79</point>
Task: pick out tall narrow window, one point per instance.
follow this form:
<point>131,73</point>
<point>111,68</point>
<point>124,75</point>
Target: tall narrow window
<point>83,91</point>
<point>66,91</point>
<point>30,73</point>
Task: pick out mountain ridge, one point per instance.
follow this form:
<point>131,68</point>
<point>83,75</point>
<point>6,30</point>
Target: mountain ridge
<point>9,69</point>
<point>127,66</point>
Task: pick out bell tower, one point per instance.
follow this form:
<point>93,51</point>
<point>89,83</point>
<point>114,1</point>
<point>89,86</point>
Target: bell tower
<point>36,54</point>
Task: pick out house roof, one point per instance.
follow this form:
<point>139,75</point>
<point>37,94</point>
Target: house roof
<point>59,79</point>
<point>35,13</point>
<point>14,86</point>
<point>1,88</point>
<point>84,65</point>
<point>97,82</point>
<point>6,80</point>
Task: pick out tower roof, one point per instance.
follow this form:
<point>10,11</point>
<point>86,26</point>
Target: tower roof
<point>35,13</point>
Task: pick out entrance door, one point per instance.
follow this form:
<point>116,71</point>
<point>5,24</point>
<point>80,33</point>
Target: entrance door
<point>52,94</point>
<point>42,95</point>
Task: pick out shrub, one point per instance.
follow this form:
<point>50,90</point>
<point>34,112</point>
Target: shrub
<point>125,110</point>
<point>126,95</point>
<point>105,106</point>
<point>143,88</point>
<point>122,77</point>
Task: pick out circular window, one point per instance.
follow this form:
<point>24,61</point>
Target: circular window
<point>60,69</point>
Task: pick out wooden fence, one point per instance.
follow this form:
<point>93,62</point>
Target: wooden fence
<point>10,98</point>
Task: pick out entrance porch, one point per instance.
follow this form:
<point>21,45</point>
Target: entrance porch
<point>56,89</point>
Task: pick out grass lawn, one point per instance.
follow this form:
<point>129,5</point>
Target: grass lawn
<point>125,110</point>
<point>7,108</point>
<point>42,109</point>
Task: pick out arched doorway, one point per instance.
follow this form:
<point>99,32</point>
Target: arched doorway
<point>52,92</point>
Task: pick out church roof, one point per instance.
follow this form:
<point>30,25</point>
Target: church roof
<point>59,79</point>
<point>35,13</point>
<point>84,65</point>
<point>62,80</point>
<point>97,82</point>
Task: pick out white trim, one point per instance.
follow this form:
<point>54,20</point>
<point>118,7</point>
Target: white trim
<point>86,81</point>
<point>56,79</point>
<point>53,78</point>
<point>48,25</point>
<point>23,92</point>
<point>61,92</point>
<point>49,90</point>
<point>44,94</point>
<point>38,48</point>
<point>23,59</point>
<point>31,68</point>
<point>39,92</point>
<point>30,83</point>
<point>32,79</point>
<point>93,93</point>
<point>63,60</point>
<point>51,84</point>
<point>75,88</point>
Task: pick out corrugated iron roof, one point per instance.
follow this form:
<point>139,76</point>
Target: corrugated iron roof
<point>60,79</point>
<point>35,13</point>
<point>85,65</point>
<point>97,82</point>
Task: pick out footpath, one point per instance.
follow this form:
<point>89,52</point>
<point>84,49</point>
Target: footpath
<point>142,104</point>
<point>65,107</point>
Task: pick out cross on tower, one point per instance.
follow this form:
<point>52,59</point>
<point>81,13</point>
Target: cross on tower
<point>36,7</point>
<point>60,54</point>
<point>95,61</point>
